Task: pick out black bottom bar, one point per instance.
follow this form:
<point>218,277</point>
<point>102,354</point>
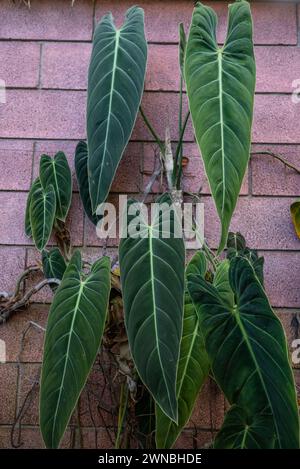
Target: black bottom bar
<point>136,458</point>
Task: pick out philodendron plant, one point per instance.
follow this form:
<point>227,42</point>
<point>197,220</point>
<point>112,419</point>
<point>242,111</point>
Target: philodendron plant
<point>185,322</point>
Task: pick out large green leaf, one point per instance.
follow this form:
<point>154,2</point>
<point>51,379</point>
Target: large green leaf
<point>247,348</point>
<point>56,172</point>
<point>152,275</point>
<point>35,185</point>
<point>81,162</point>
<point>239,431</point>
<point>193,370</point>
<point>115,86</point>
<point>42,214</point>
<point>54,265</point>
<point>220,86</point>
<point>74,331</point>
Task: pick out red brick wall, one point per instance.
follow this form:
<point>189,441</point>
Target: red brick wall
<point>44,54</point>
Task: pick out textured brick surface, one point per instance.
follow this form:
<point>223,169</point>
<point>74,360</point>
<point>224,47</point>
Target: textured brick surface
<point>15,164</point>
<point>19,63</point>
<point>53,114</point>
<point>281,270</point>
<point>47,20</point>
<point>275,24</point>
<point>12,261</point>
<point>12,210</point>
<point>270,176</point>
<point>65,65</point>
<point>264,222</point>
<point>8,373</point>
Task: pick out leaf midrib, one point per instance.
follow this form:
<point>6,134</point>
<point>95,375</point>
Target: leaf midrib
<point>155,307</point>
<point>82,283</point>
<point>114,68</point>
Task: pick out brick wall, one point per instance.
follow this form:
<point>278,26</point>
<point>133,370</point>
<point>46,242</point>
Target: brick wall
<point>44,54</point>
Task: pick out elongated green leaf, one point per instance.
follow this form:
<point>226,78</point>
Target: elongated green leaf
<point>56,172</point>
<point>192,372</point>
<point>54,265</point>
<point>81,161</point>
<point>115,86</point>
<point>74,332</point>
<point>239,431</point>
<point>247,349</point>
<point>152,276</point>
<point>35,185</point>
<point>220,86</point>
<point>42,213</point>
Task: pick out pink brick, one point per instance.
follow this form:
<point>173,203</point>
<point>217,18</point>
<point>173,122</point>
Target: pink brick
<point>273,23</point>
<point>20,64</point>
<point>128,176</point>
<point>270,176</point>
<point>194,177</point>
<point>12,261</point>
<point>45,295</point>
<point>90,235</point>
<point>12,332</point>
<point>53,114</point>
<point>276,119</point>
<point>161,110</point>
<point>282,269</point>
<point>15,164</point>
<point>65,65</point>
<point>12,212</point>
<point>162,68</point>
<point>51,148</point>
<point>74,221</point>
<point>8,373</point>
<point>277,68</point>
<point>47,20</point>
<point>265,223</point>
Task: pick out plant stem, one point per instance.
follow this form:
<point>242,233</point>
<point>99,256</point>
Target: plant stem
<point>122,413</point>
<point>179,153</point>
<point>179,130</point>
<point>152,131</point>
<point>277,157</point>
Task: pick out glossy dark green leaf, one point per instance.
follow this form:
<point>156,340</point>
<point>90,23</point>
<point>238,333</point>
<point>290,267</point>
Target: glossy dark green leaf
<point>81,161</point>
<point>152,275</point>
<point>236,242</point>
<point>193,370</point>
<point>56,172</point>
<point>54,265</point>
<point>42,214</point>
<point>247,349</point>
<point>241,431</point>
<point>220,86</point>
<point>35,185</point>
<point>73,336</point>
<point>115,86</point>
<point>221,282</point>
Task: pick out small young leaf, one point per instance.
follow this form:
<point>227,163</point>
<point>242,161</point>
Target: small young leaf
<point>54,265</point>
<point>35,185</point>
<point>56,172</point>
<point>42,215</point>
